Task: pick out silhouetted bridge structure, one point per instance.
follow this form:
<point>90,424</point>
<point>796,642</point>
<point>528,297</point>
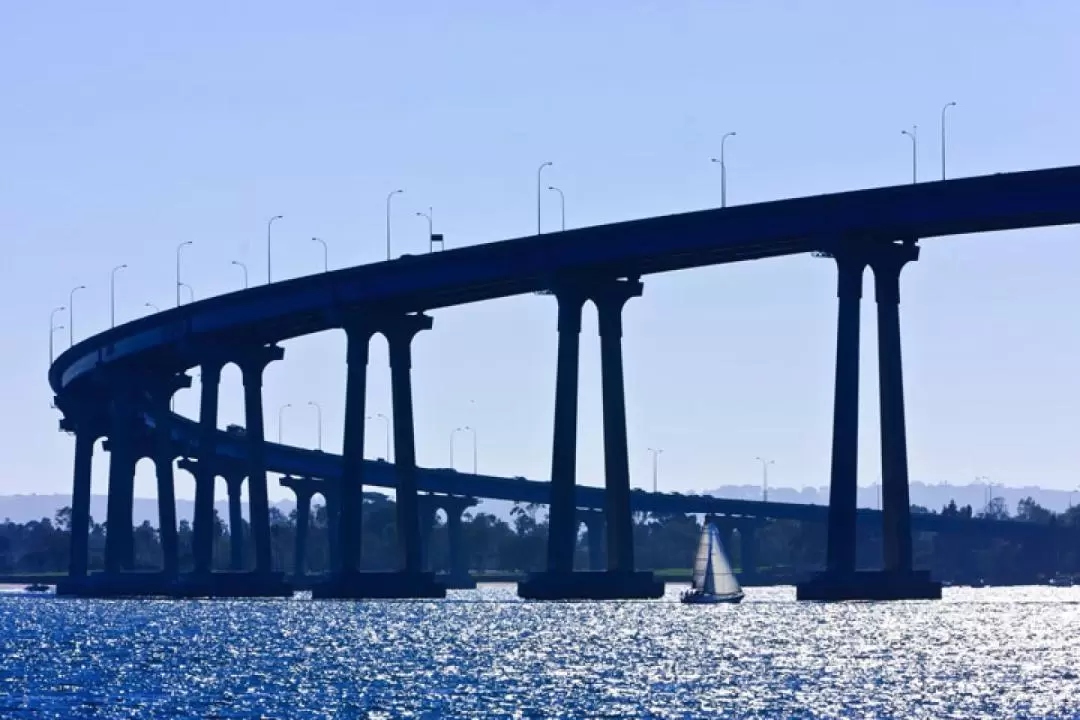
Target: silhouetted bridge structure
<point>119,384</point>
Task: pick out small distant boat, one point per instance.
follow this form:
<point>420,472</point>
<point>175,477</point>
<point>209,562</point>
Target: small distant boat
<point>36,588</point>
<point>714,581</point>
<point>1061,581</point>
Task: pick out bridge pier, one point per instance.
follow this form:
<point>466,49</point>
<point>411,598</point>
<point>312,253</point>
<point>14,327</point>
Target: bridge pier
<point>560,582</point>
<point>303,520</point>
<point>898,580</point>
<point>205,470</point>
<point>459,578</point>
<point>595,537</point>
<point>411,581</point>
<point>161,394</point>
<point>234,483</point>
<point>119,540</point>
<point>252,364</point>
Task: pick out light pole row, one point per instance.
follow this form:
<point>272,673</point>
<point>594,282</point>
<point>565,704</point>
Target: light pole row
<point>453,433</point>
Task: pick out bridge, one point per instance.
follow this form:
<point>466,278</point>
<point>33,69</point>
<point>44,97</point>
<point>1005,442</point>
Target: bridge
<point>118,384</point>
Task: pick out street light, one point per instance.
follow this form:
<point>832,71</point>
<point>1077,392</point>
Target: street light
<point>281,420</point>
<point>318,416</point>
<point>947,106</point>
<point>913,133</point>
<point>112,295</point>
<point>152,306</point>
<point>388,199</point>
<point>539,173</point>
<point>562,204</point>
<point>764,478</point>
<point>179,247</point>
<point>71,314</point>
<point>269,225</point>
<point>723,169</point>
<point>453,433</point>
<point>386,420</point>
<point>655,465</point>
<point>243,267</point>
<point>191,291</point>
<point>53,327</point>
<point>325,254</point>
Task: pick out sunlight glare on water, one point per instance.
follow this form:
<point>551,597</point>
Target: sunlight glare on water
<point>993,653</point>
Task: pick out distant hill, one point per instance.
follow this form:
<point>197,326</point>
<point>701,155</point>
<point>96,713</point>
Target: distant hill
<point>933,497</point>
<point>21,508</point>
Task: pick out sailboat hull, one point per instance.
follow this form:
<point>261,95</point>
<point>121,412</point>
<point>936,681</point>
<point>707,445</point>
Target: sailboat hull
<point>692,598</point>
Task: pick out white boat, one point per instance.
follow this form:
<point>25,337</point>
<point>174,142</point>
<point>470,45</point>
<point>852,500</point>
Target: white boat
<point>714,581</point>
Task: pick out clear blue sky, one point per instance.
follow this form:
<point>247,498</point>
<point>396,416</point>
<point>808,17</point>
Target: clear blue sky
<point>127,128</point>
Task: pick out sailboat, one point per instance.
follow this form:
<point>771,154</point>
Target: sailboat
<point>714,580</point>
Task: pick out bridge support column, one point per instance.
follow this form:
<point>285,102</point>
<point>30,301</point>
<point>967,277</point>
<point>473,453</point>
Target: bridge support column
<point>119,539</point>
<point>845,443</point>
<point>399,335</point>
<point>410,581</point>
<point>161,394</point>
<point>252,364</point>
<point>303,520</point>
<point>562,523</point>
<point>595,537</point>
<point>85,438</point>
<point>748,563</point>
<point>334,525</point>
<point>455,507</point>
<point>352,481</point>
<point>620,523</point>
<point>898,580</point>
<point>459,577</point>
<point>234,482</point>
<point>896,505</point>
<point>205,472</point>
<point>620,581</point>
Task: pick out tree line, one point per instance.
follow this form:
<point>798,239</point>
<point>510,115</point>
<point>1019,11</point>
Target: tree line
<point>785,549</point>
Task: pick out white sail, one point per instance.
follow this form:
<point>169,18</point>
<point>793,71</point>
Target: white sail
<point>721,577</point>
<point>701,560</point>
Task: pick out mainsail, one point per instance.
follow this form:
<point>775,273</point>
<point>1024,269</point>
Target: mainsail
<point>712,572</point>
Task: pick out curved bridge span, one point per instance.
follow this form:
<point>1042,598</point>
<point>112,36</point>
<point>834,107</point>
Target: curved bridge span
<point>118,384</point>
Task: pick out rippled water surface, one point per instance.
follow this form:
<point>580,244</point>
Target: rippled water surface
<point>994,653</point>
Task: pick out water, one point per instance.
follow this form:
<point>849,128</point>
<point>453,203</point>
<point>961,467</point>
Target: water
<point>993,653</point>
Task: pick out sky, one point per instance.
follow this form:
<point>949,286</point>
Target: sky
<point>128,128</point>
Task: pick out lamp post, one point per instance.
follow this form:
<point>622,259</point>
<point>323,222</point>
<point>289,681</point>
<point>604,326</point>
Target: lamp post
<point>470,428</point>
<point>386,421</point>
<point>723,169</point>
<point>453,434</point>
<point>325,254</point>
<point>947,106</point>
<point>388,199</point>
<point>112,295</point>
<point>71,314</point>
<point>152,306</point>
<point>913,133</point>
<point>53,327</point>
<point>269,225</point>
<point>539,174</point>
<point>243,267</point>
<point>430,227</point>
<point>191,291</point>
<point>318,420</point>
<point>281,420</point>
<point>562,204</point>
<point>764,478</point>
<point>655,466</point>
<point>179,247</point>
